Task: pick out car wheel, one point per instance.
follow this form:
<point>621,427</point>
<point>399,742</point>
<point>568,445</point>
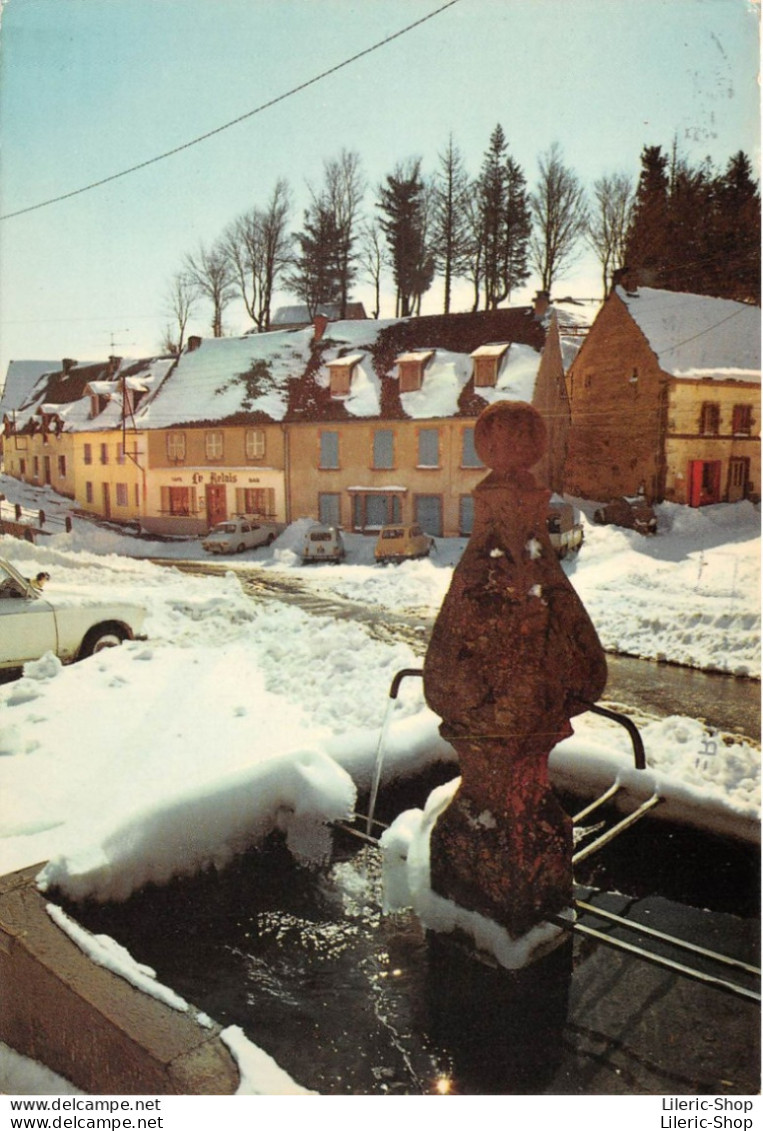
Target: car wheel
<point>240,549</point>
<point>103,636</point>
<point>270,539</point>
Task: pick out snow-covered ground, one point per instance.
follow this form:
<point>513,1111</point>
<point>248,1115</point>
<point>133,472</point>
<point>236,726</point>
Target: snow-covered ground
<point>107,764</point>
<point>235,717</point>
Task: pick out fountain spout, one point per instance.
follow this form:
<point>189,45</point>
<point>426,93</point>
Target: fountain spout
<point>512,658</point>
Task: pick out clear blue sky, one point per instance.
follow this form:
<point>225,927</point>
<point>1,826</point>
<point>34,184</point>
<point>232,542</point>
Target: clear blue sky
<point>91,87</point>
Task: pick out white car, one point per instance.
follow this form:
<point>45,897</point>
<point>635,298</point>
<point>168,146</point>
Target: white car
<point>237,535</point>
<point>323,544</point>
<point>32,624</point>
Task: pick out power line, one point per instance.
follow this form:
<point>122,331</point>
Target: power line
<point>234,121</point>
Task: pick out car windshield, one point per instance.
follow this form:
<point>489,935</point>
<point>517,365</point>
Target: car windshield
<point>225,528</point>
<point>320,536</point>
<point>11,583</point>
<point>394,533</point>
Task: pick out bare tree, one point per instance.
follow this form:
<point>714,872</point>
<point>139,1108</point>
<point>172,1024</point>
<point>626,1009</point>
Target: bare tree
<point>451,241</point>
<point>258,247</point>
<point>181,298</point>
<point>211,275</point>
<point>276,248</point>
<point>609,221</point>
<point>372,258</point>
<point>560,216</point>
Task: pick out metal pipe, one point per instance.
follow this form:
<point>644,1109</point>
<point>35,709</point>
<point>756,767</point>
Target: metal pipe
<point>620,827</point>
<point>639,755</point>
<point>395,685</point>
<point>682,944</point>
<point>655,959</point>
<point>613,789</point>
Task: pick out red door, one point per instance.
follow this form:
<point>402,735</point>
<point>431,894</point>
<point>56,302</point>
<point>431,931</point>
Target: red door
<point>704,482</point>
<point>217,510</point>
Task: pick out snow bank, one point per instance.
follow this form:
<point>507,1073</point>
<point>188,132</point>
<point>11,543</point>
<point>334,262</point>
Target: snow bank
<point>300,794</point>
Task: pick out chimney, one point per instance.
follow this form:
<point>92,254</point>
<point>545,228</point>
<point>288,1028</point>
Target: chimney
<point>194,342</point>
<point>113,365</point>
<point>320,322</point>
<point>541,303</point>
<point>68,364</point>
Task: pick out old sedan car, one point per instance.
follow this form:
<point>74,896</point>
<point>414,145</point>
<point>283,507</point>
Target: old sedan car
<point>237,535</point>
<point>401,541</point>
<point>631,511</point>
<point>323,544</point>
<point>32,624</point>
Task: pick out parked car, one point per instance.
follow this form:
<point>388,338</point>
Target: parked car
<point>323,544</point>
<point>32,624</point>
<point>400,541</point>
<point>237,535</point>
<point>631,511</point>
<point>564,531</point>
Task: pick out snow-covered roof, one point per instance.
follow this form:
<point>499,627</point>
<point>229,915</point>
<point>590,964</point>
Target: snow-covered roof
<point>20,380</point>
<point>696,335</point>
<point>492,349</point>
<point>285,374</point>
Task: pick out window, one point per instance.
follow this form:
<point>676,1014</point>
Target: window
<point>384,448</point>
<point>120,453</point>
<point>104,453</point>
<point>328,508</point>
<point>429,447</point>
<point>742,420</point>
<point>374,509</point>
<point>122,495</point>
<point>329,457</point>
<point>178,499</point>
<point>486,362</point>
<point>260,501</point>
<point>410,376</point>
<point>484,372</point>
<point>176,446</point>
<point>137,495</point>
<point>36,467</point>
<point>22,467</point>
<point>62,467</point>
<point>213,445</point>
<point>88,492</point>
<point>255,443</point>
<point>469,457</point>
<point>465,515</point>
<point>410,367</point>
<point>340,375</point>
<point>427,510</point>
<point>88,453</point>
<point>710,419</point>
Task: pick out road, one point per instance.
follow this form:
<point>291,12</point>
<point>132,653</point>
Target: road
<point>723,702</point>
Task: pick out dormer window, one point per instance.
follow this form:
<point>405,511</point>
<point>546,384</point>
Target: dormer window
<point>487,361</point>
<point>97,404</point>
<point>340,375</point>
<point>100,395</point>
<point>411,368</point>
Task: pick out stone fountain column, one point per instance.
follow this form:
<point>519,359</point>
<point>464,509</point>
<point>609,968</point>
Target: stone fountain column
<point>512,658</point>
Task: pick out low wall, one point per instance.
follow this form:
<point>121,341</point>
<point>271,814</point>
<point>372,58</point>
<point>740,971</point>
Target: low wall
<point>86,1023</point>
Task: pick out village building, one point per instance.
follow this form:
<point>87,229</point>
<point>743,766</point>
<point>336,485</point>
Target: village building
<point>356,423</point>
<point>381,428</point>
<point>665,400</point>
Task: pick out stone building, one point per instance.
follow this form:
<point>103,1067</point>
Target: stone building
<point>665,400</point>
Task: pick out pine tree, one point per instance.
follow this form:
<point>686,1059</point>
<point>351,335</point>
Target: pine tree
<point>402,201</point>
<point>645,247</point>
<point>317,274</point>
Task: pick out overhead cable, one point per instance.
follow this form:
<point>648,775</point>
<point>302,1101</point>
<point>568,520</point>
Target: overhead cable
<point>234,121</point>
